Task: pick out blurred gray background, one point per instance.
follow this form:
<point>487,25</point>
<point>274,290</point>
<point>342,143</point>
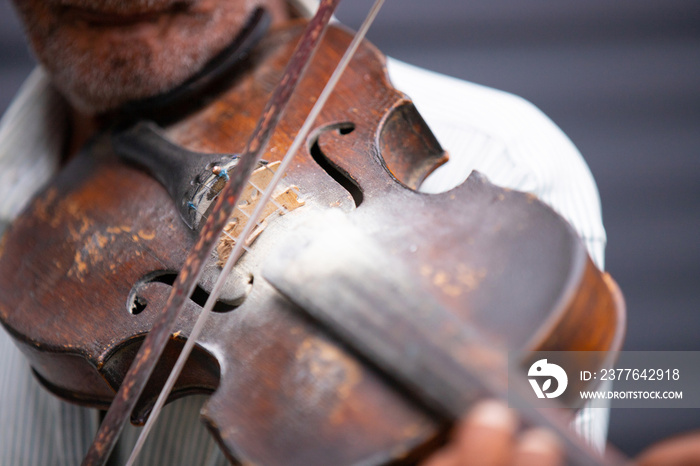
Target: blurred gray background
<point>622,79</point>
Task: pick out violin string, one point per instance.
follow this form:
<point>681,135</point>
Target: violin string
<point>280,210</point>
<point>210,184</point>
<point>236,238</point>
<point>244,213</point>
<point>239,246</point>
<point>271,199</point>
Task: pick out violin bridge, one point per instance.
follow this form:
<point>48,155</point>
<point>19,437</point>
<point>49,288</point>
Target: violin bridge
<point>284,199</point>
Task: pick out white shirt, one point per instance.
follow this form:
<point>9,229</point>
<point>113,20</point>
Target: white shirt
<point>501,135</point>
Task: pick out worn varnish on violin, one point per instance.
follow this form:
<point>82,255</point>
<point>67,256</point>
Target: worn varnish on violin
<point>86,268</point>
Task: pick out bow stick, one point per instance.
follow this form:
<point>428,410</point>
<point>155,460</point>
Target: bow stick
<point>250,225</point>
<point>154,344</point>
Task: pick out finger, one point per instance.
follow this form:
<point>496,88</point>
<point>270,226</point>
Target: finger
<point>677,451</point>
<point>485,437</point>
<point>538,447</point>
<point>447,456</point>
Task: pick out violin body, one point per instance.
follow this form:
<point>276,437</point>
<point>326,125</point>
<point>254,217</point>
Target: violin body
<point>86,268</point>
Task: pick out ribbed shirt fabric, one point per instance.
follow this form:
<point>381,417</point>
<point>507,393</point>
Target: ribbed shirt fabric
<point>498,134</point>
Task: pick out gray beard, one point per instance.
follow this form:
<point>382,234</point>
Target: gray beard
<point>97,78</point>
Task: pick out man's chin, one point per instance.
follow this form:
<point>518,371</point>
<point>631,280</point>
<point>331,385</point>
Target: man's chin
<point>99,62</point>
<point>93,90</point>
<point>99,69</point>
<point>98,92</point>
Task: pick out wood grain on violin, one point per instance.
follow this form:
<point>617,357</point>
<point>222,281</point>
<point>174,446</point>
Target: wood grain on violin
<point>86,268</point>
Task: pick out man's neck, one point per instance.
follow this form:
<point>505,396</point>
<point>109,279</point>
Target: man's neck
<point>82,127</point>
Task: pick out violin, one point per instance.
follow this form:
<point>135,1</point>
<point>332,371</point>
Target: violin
<point>348,244</point>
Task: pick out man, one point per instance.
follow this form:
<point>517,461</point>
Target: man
<point>100,54</point>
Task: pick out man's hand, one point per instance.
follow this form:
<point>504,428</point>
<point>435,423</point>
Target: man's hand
<point>683,450</point>
<point>488,437</point>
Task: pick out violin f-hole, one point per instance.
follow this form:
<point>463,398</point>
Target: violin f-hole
<point>137,302</point>
<point>334,171</point>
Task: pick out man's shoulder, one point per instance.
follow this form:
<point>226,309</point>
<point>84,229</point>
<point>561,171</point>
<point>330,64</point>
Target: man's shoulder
<point>498,113</point>
<point>506,127</point>
<point>32,133</point>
